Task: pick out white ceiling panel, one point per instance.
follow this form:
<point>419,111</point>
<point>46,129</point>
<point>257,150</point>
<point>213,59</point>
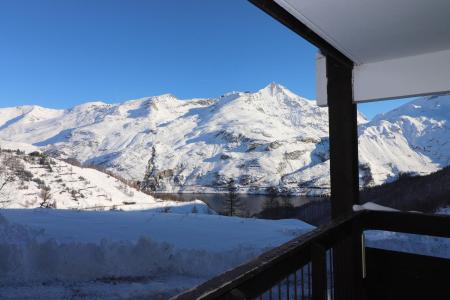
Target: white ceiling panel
<point>375,30</point>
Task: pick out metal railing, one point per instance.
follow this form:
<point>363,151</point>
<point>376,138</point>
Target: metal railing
<point>304,268</point>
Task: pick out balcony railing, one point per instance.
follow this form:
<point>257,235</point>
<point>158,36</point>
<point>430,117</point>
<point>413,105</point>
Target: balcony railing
<point>307,267</point>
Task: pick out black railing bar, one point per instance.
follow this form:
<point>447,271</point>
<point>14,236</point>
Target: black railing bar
<point>303,284</point>
<point>407,222</point>
<point>309,281</point>
<point>331,274</point>
<point>287,287</point>
<point>295,286</point>
<point>329,279</point>
<point>364,262</point>
<point>279,291</point>
<point>259,283</point>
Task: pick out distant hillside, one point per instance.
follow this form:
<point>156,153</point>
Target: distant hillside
<point>36,180</point>
<point>429,193</point>
<point>268,141</point>
<point>422,193</point>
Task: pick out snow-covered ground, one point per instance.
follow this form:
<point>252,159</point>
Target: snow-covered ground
<point>270,140</point>
<point>444,211</point>
<point>64,254</point>
<point>67,254</point>
<point>99,238</point>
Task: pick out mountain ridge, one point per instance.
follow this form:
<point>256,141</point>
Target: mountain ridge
<point>268,141</point>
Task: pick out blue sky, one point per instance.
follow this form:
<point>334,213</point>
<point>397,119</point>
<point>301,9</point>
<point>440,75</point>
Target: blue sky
<point>61,53</point>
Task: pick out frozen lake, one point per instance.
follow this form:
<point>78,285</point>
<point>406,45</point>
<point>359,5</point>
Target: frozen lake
<point>314,210</point>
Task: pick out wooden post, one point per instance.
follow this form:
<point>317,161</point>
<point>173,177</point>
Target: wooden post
<point>343,138</point>
<point>347,259</point>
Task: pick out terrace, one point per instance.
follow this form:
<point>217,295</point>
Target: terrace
<point>368,51</point>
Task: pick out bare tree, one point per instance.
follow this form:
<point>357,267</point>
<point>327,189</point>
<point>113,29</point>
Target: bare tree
<point>6,176</point>
<point>46,196</point>
<point>4,180</point>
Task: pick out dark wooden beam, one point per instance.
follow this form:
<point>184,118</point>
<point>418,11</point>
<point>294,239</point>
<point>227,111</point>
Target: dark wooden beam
<point>408,222</point>
<point>347,255</point>
<point>288,20</point>
<point>343,138</point>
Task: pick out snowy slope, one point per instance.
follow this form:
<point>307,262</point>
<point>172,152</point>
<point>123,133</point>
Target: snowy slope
<point>267,141</point>
<point>414,138</point>
<point>31,181</point>
<point>116,136</point>
<point>62,254</point>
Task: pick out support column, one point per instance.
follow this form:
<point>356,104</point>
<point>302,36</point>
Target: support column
<point>347,259</point>
<point>343,138</point>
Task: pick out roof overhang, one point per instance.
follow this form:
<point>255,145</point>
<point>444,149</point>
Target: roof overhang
<point>399,48</point>
<point>417,75</point>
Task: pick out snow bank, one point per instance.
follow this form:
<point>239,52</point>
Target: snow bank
<point>53,246</point>
<point>373,206</point>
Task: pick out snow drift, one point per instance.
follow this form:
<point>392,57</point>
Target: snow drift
<point>51,253</point>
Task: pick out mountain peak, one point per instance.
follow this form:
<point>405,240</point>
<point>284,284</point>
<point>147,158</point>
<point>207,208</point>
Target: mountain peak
<point>164,97</point>
<point>87,105</point>
<point>150,99</point>
<point>273,88</point>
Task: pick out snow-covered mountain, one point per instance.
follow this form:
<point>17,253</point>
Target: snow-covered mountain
<point>413,138</point>
<point>268,141</point>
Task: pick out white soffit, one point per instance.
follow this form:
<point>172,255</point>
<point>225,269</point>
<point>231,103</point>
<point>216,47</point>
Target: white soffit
<point>374,30</point>
<point>409,76</point>
<point>401,48</point>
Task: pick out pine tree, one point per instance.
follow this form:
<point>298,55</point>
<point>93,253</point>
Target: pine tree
<point>232,205</point>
